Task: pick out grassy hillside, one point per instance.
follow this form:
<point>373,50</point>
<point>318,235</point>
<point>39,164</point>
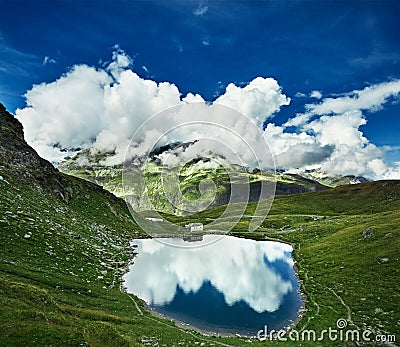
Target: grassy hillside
<point>90,168</point>
<point>347,247</point>
<point>60,263</point>
<point>65,244</point>
<point>59,285</point>
<point>60,266</point>
<point>363,198</point>
<point>64,247</point>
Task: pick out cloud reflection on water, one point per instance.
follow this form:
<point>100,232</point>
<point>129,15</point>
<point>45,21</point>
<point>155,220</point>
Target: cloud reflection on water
<point>235,267</point>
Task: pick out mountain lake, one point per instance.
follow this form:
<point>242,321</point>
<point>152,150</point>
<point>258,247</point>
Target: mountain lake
<point>228,286</point>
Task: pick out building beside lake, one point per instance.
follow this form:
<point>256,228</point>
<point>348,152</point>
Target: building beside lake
<point>151,219</point>
<point>193,227</point>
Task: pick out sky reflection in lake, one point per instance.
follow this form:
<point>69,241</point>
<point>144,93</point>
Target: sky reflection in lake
<point>233,285</point>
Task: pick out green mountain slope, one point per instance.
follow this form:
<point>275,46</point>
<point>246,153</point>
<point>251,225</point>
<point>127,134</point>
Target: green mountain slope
<point>347,247</point>
<point>64,245</point>
<point>91,167</point>
<point>332,181</point>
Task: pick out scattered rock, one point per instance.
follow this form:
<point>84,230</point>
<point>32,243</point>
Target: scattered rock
<point>366,234</point>
<point>112,209</point>
<point>378,310</point>
<point>69,190</point>
<point>382,260</point>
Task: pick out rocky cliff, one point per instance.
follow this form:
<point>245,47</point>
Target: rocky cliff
<point>22,159</point>
<point>17,155</point>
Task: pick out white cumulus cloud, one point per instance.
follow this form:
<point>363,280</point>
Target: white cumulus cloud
<point>370,98</point>
<point>201,9</point>
<point>336,124</point>
<point>316,94</point>
<point>259,99</point>
<point>102,108</point>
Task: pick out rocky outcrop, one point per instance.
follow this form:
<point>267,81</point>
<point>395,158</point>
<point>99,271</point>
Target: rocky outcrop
<point>15,153</point>
<point>366,234</point>
<point>18,156</point>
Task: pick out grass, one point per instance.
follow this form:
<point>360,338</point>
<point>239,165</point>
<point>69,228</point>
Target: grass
<point>60,264</point>
<point>338,267</point>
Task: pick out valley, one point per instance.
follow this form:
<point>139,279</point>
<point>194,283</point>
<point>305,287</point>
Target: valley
<point>65,246</point>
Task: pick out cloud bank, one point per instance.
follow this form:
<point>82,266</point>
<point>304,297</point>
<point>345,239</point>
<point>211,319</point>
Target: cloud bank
<point>335,123</point>
<point>101,109</point>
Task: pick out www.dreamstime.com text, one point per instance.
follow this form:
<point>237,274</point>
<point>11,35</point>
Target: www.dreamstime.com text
<point>340,333</point>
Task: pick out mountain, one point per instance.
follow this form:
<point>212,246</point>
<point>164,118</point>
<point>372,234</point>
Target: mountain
<point>332,181</point>
<point>65,244</point>
<point>347,250</point>
<point>92,167</point>
<point>21,159</point>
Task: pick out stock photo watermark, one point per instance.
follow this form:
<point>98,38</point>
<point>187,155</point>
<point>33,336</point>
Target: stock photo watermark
<point>340,333</point>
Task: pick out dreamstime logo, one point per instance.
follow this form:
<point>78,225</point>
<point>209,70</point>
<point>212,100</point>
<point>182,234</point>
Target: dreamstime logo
<point>210,144</point>
<point>339,333</point>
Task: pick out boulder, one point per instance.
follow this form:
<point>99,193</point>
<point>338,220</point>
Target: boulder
<point>382,260</point>
<point>366,234</point>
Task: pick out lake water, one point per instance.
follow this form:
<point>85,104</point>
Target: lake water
<point>231,286</point>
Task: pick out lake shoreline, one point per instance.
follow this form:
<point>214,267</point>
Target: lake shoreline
<point>209,333</point>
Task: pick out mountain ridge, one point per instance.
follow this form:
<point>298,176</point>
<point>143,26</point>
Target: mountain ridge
<point>92,167</point>
<point>65,245</point>
<point>61,260</point>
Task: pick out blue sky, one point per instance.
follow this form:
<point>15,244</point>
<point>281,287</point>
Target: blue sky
<point>202,46</point>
